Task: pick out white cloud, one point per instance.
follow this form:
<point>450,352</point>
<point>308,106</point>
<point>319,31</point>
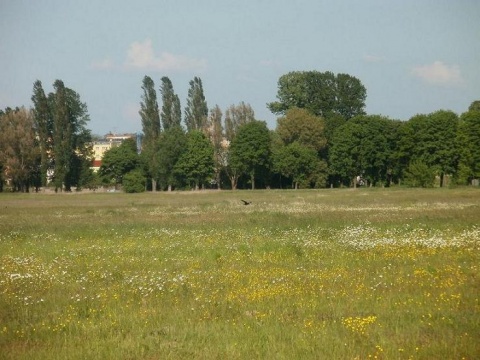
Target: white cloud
<point>439,73</point>
<point>141,55</point>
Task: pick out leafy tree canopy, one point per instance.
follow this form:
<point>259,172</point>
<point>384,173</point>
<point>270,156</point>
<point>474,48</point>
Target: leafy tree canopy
<point>323,94</point>
<point>71,138</point>
<point>430,139</point>
<point>118,161</point>
<point>171,114</point>
<point>361,147</point>
<point>196,111</point>
<point>171,145</point>
<point>18,152</point>
<point>299,125</point>
<point>250,149</point>
<point>474,106</point>
<point>134,181</point>
<point>196,163</point>
<point>468,145</point>
<point>297,162</point>
<point>149,111</point>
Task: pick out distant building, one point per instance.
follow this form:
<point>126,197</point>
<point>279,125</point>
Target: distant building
<point>119,137</point>
<point>109,141</point>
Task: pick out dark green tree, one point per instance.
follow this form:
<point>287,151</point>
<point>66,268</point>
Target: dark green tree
<point>430,139</point>
<point>171,145</point>
<point>361,147</point>
<point>300,164</point>
<point>150,116</point>
<point>118,161</point>
<point>91,179</point>
<point>196,165</point>
<point>43,123</point>
<point>419,174</point>
<point>332,123</point>
<point>323,94</point>
<point>474,106</point>
<point>171,114</point>
<point>82,150</point>
<point>62,137</point>
<point>235,117</point>
<point>344,153</point>
<point>134,181</point>
<point>196,111</point>
<point>250,151</point>
<point>82,159</point>
<point>71,138</point>
<point>468,145</point>
<point>350,96</point>
<point>149,112</point>
<point>299,125</point>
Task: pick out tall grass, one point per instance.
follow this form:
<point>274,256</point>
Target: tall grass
<point>386,274</point>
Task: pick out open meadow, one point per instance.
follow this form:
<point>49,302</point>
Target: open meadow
<point>306,274</point>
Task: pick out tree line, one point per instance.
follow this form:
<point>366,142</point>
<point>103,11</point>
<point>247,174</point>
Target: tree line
<point>323,138</point>
<point>49,143</point>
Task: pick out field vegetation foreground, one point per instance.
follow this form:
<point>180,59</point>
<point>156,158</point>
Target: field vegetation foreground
<point>317,274</point>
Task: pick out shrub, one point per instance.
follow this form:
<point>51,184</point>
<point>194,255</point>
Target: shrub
<point>134,182</point>
<point>419,174</point>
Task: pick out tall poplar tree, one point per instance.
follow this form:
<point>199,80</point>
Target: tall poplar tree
<point>62,137</point>
<point>215,133</point>
<point>150,116</point>
<point>196,111</point>
<point>149,112</point>
<point>71,138</point>
<point>43,123</point>
<point>171,114</point>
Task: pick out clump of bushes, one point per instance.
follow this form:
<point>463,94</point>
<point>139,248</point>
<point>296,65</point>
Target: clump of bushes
<point>134,182</point>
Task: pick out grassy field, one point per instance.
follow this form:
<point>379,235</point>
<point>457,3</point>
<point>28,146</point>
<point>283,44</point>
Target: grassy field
<point>324,274</point>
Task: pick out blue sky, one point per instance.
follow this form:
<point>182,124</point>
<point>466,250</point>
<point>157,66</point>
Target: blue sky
<point>413,56</point>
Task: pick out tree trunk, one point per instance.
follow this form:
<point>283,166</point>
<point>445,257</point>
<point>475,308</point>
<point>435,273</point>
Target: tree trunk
<point>253,181</point>
<point>218,180</point>
<point>154,185</point>
<point>233,181</point>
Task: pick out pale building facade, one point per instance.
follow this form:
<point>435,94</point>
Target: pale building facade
<point>100,147</point>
